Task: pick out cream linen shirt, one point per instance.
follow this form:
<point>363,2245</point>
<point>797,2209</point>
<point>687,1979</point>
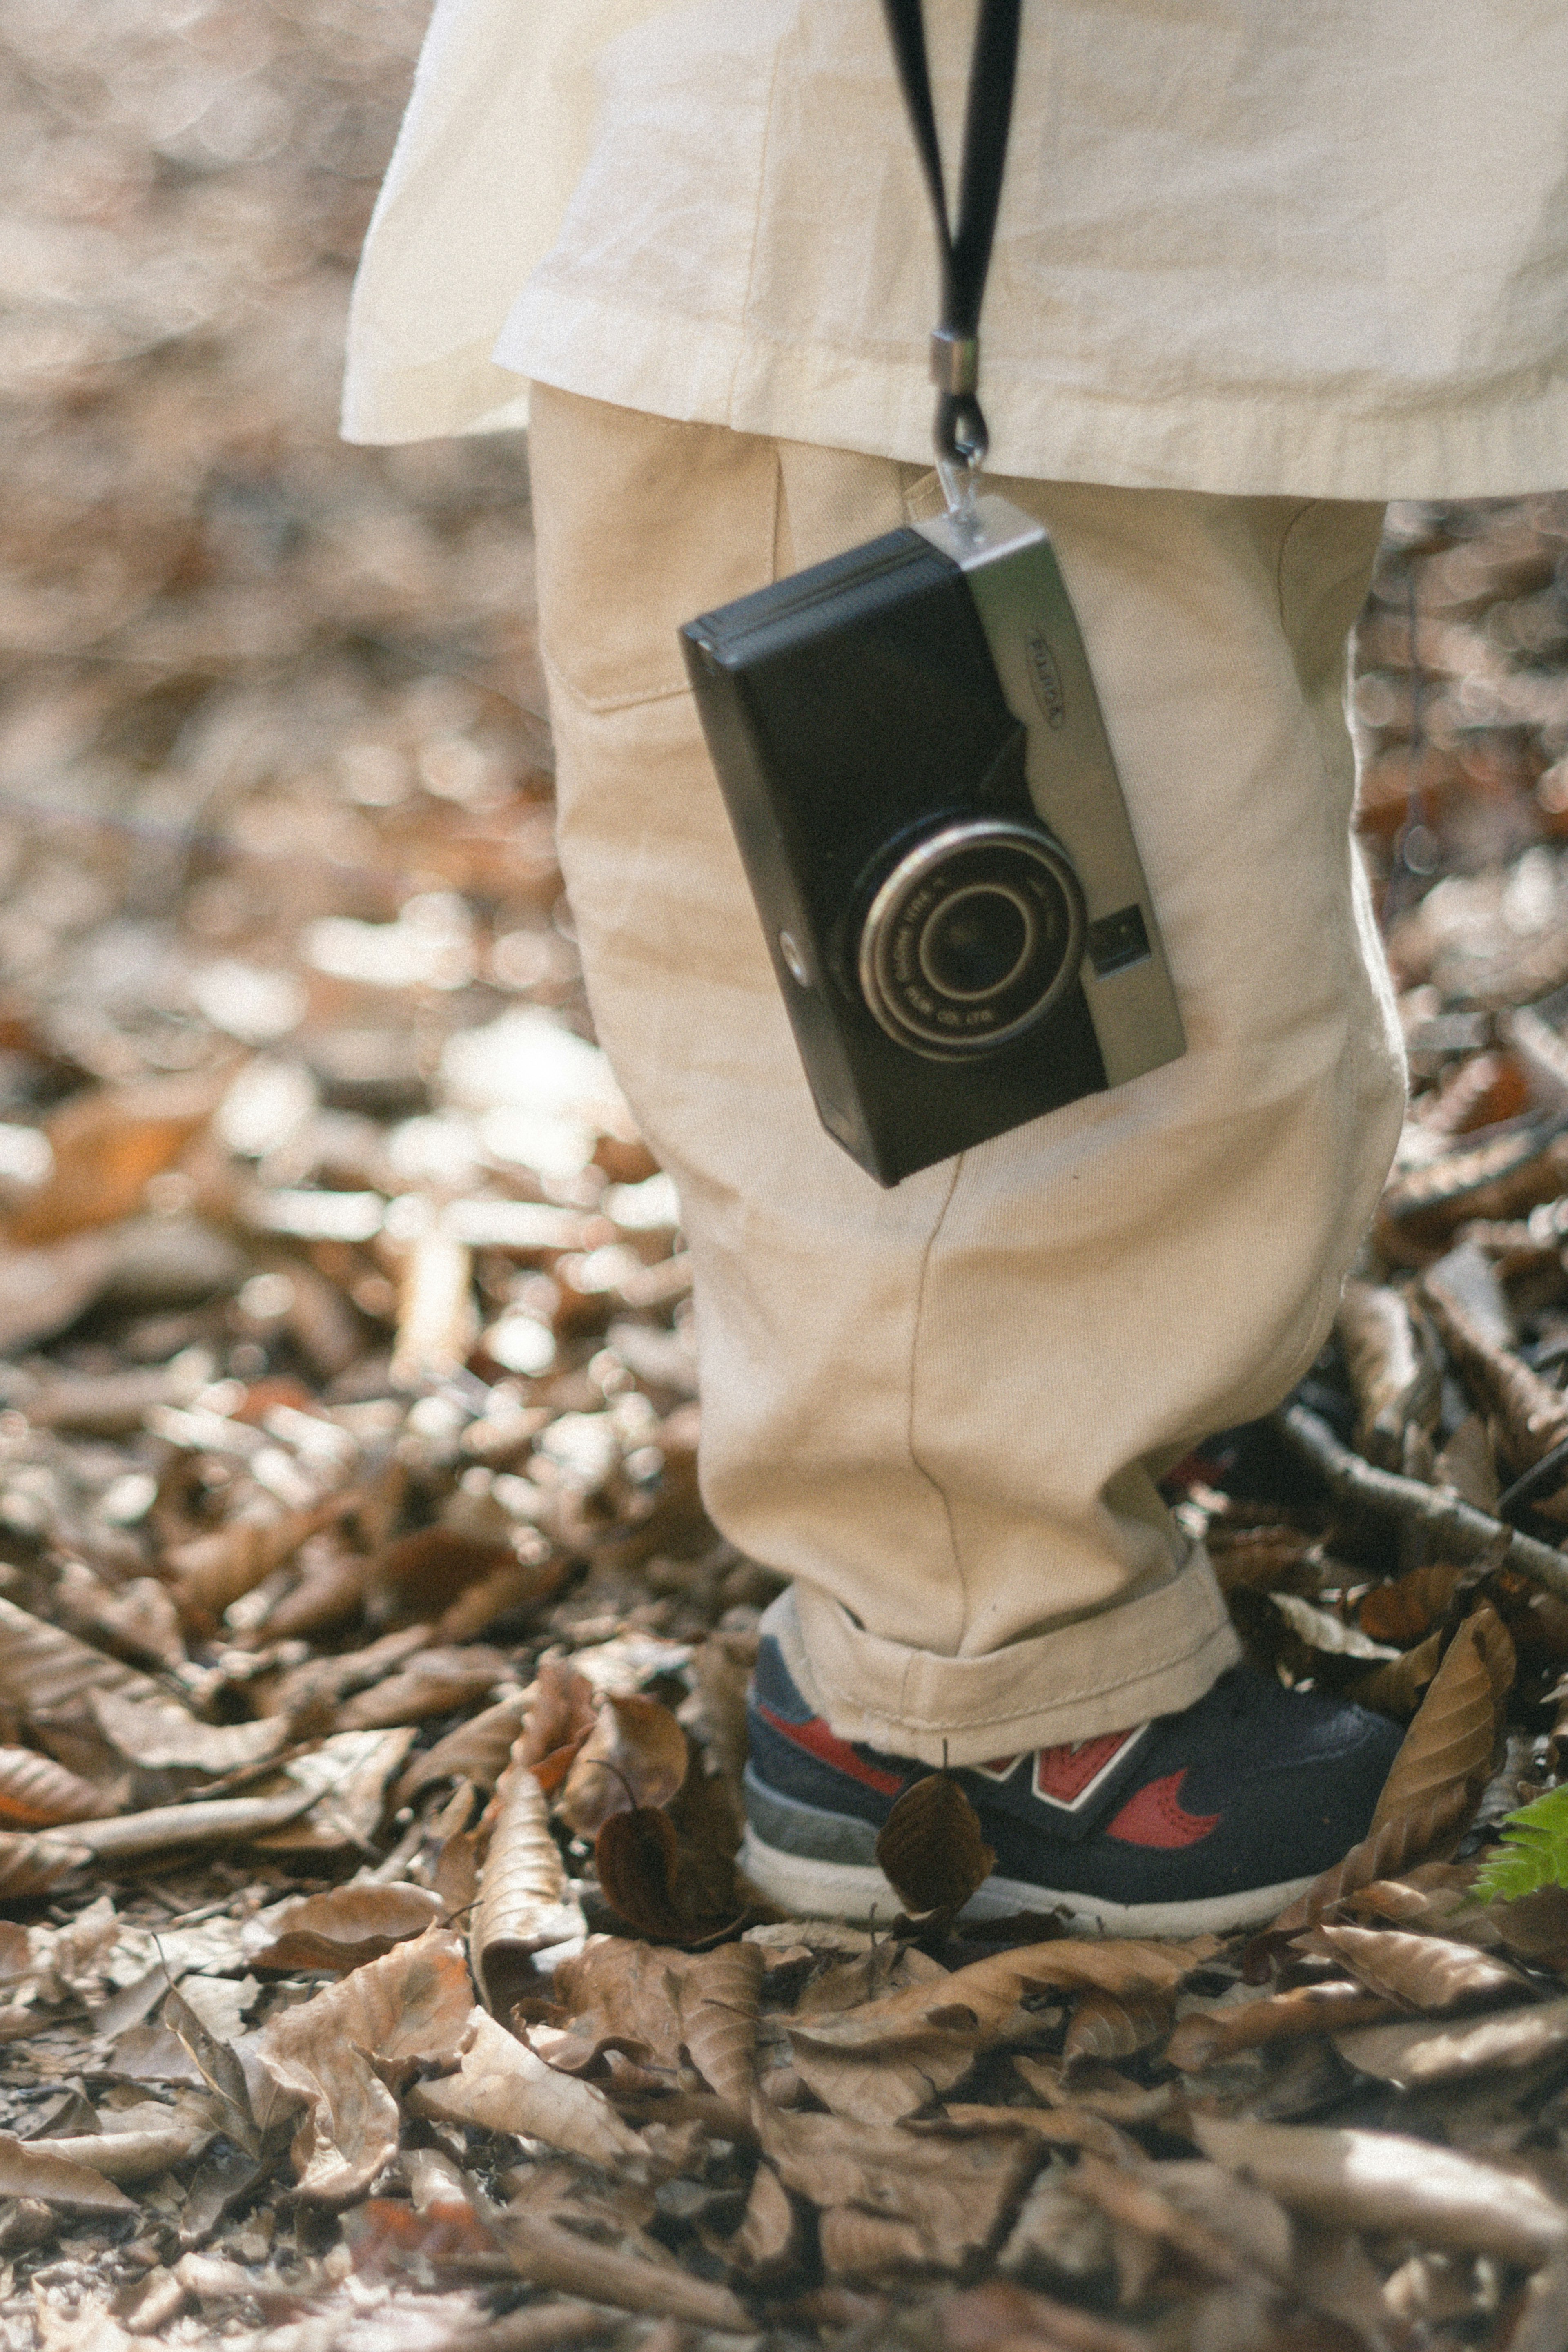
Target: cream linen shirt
<point>1297,245</point>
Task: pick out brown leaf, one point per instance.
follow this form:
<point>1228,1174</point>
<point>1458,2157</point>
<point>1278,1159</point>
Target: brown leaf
<point>1410,2054</point>
<point>1408,1608</point>
<point>159,1737</point>
<point>550,2256</point>
<point>139,2143</point>
<point>979,1998</point>
<point>766,2245</point>
<point>45,1672</point>
<point>1384,2183</point>
<point>635,1856</point>
<point>502,2086</point>
<point>107,1142</point>
<point>413,1578</point>
<point>1399,1686</point>
<point>1206,2037</point>
<point>951,2195</point>
<point>36,1792</point>
<point>217,1820</point>
<point>437,1681</point>
<point>634,1756</point>
<point>1392,1371</point>
<point>515,1588</point>
<point>28,2169</point>
<point>1132,2204</point>
<point>1425,1972</point>
<point>346,1777</point>
<point>331,2052</point>
<point>614,1988</point>
<point>524,1905</point>
<point>32,1864</point>
<point>931,1847</point>
<point>330,1593</point>
<point>337,1931</point>
<point>1450,1744</point>
<point>718,1997</point>
<point>1531,1415</point>
<point>1110,2026</point>
<point>561,1716</point>
<point>208,1573</point>
<point>477,1750</point>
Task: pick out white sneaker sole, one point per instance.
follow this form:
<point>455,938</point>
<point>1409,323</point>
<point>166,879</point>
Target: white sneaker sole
<point>809,1889</point>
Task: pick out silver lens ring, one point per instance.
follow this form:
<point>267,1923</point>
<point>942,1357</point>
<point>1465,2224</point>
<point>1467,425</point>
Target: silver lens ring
<point>971,938</point>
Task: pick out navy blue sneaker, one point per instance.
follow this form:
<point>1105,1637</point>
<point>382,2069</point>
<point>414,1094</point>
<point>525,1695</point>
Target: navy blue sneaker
<point>1210,1819</point>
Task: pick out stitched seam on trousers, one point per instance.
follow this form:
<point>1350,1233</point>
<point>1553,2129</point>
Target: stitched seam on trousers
<point>1285,536</point>
<point>740,352</point>
<point>920,1468</point>
<point>1216,1631</point>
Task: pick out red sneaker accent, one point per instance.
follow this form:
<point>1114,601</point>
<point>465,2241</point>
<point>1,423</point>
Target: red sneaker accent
<point>1156,1817</point>
<point>1066,1776</point>
<point>815,1737</point>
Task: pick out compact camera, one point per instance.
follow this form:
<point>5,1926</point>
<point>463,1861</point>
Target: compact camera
<point>912,753</point>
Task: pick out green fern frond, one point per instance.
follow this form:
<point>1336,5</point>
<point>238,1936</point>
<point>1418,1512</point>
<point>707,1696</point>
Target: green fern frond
<point>1534,1850</point>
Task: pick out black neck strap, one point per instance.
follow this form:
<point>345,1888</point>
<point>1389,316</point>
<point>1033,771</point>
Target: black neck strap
<point>964,244</point>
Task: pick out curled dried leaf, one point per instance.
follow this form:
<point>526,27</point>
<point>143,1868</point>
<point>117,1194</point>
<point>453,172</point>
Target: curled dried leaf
<point>931,1847</point>
<point>1392,1370</point>
<point>1206,2037</point>
<point>1425,1972</point>
<point>46,1672</point>
<point>635,1754</point>
<point>560,1714</point>
<point>339,1930</point>
<point>1105,2025</point>
<point>1407,1609</point>
<point>1411,2054</point>
<point>208,1573</point>
<point>524,1904</point>
<point>413,2007</point>
<point>1450,1744</point>
<point>1398,1687</point>
<point>477,1751</point>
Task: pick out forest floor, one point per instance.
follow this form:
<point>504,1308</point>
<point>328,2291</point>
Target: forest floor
<point>375,1975</point>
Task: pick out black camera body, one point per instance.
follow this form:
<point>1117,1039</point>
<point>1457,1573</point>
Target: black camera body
<point>910,750</point>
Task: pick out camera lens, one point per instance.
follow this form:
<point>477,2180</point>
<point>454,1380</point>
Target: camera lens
<point>970,937</point>
<point>976,940</point>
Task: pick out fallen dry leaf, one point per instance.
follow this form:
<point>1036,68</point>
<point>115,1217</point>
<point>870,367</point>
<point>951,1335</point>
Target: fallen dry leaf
<point>209,1573</point>
<point>30,2169</point>
<point>38,1794</point>
<point>548,2255</point>
<point>1417,2052</point>
<point>1107,2025</point>
<point>560,1714</point>
<point>949,2196</point>
<point>502,2086</point>
<point>331,2052</point>
<point>1002,2317</point>
<point>718,1997</point>
<point>1392,1370</point>
<point>1383,2182</point>
<point>437,1681</point>
<point>476,1751</point>
<point>1206,2037</point>
<point>931,1849</point>
<point>634,1757</point>
<point>1450,1742</point>
<point>47,1673</point>
<point>524,1904</point>
<point>106,1144</point>
<point>337,1931</point>
<point>1425,1972</point>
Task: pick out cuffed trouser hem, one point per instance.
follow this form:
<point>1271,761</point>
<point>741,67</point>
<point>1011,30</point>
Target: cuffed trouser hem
<point>1149,1656</point>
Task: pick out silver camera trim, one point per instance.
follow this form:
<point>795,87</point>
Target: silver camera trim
<point>1011,567</point>
<point>877,933</point>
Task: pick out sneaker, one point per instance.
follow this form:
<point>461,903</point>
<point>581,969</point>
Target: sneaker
<point>1206,1821</point>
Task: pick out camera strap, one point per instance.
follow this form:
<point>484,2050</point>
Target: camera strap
<point>964,243</point>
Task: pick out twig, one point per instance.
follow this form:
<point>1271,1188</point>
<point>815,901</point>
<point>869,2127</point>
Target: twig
<point>1464,1532</point>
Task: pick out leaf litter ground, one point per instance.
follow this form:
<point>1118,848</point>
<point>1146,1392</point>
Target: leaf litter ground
<point>374,1970</point>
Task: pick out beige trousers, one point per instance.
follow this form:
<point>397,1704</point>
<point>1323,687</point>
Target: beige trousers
<point>936,1408</point>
